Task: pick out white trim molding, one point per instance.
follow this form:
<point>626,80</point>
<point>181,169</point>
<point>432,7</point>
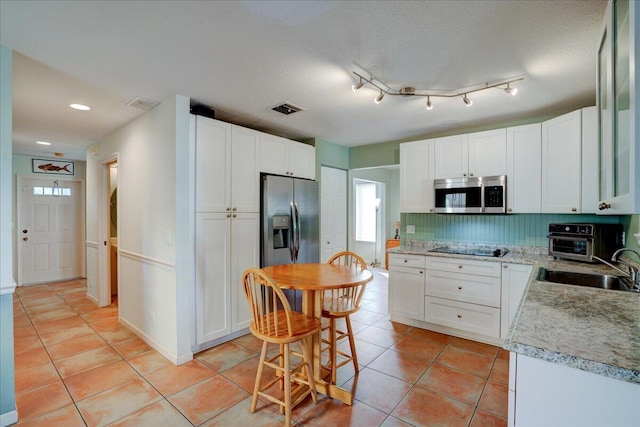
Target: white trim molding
<point>8,288</point>
<point>139,257</point>
<point>9,418</point>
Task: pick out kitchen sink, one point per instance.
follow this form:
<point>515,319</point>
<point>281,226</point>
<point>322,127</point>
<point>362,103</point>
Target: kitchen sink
<point>602,281</point>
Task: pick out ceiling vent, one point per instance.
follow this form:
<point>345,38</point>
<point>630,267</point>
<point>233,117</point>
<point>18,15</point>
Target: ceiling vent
<point>142,103</point>
<point>287,108</point>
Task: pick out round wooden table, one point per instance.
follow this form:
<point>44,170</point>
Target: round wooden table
<point>312,280</point>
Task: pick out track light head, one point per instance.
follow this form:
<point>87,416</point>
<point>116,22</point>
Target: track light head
<point>358,85</point>
<point>511,90</point>
<point>379,97</point>
<point>466,100</point>
<point>429,104</point>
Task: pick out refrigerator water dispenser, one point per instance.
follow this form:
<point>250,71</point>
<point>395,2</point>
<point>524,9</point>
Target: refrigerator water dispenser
<point>280,231</point>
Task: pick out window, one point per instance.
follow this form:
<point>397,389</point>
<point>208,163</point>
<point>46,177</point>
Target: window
<point>51,191</point>
<point>367,205</point>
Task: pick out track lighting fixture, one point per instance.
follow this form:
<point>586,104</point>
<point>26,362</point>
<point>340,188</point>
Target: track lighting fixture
<point>358,85</point>
<point>429,104</point>
<point>511,90</point>
<point>410,91</point>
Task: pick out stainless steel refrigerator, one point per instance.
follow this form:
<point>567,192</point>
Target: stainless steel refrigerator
<point>290,223</point>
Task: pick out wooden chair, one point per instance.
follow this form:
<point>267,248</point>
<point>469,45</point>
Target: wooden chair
<point>340,303</point>
<point>275,322</point>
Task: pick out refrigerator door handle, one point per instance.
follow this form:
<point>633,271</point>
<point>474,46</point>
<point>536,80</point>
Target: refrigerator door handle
<point>297,230</point>
<point>294,232</point>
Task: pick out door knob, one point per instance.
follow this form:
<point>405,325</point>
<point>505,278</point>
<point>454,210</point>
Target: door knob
<point>25,231</point>
<point>25,238</point>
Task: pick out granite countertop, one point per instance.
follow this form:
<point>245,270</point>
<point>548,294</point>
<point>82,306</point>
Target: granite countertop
<point>594,330</point>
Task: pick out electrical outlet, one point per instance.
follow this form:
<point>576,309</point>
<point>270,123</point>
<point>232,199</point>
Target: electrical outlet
<point>411,229</point>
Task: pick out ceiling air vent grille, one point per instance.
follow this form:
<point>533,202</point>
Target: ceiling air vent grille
<point>142,103</point>
<point>287,108</point>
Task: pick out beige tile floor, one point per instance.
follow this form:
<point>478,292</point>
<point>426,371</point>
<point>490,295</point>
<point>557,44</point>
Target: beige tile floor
<point>76,366</point>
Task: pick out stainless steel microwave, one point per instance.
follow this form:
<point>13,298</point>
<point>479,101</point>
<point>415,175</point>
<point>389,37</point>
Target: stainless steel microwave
<point>472,195</point>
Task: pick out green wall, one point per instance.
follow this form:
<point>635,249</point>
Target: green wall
<point>632,226</point>
<point>517,229</point>
<point>330,154</point>
<point>366,156</point>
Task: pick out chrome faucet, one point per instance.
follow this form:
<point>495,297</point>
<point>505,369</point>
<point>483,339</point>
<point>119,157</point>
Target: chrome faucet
<point>633,271</point>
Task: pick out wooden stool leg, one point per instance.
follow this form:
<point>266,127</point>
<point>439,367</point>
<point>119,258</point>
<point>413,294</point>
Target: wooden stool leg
<point>352,344</point>
<point>309,370</point>
<point>333,350</point>
<point>256,387</point>
<point>287,386</point>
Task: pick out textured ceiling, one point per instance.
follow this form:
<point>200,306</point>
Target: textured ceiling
<point>244,57</point>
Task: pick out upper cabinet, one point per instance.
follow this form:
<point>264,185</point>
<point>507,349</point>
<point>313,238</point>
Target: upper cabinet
<point>474,154</point>
<point>524,154</point>
<point>618,95</point>
<point>227,175</point>
<point>416,176</point>
<point>561,164</point>
<point>283,156</point>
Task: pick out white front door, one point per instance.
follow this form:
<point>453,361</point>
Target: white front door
<point>334,211</point>
<point>50,230</point>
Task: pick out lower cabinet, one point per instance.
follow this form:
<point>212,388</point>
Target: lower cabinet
<point>514,282</point>
<point>226,245</point>
<point>406,286</point>
<point>543,393</point>
<point>470,298</point>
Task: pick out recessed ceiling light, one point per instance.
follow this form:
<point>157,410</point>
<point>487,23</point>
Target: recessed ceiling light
<point>80,107</point>
<point>43,143</point>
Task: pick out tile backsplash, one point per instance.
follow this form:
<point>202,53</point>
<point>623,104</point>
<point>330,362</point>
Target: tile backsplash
<point>516,229</point>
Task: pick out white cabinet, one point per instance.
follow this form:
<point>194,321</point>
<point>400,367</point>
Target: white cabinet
<point>589,179</point>
<point>474,154</point>
<point>227,175</point>
<point>524,160</point>
<point>561,164</point>
<point>406,286</point>
<point>282,156</point>
<point>514,282</point>
<point>227,225</point>
<point>463,294</point>
<point>416,176</point>
<point>550,394</point>
<point>618,97</point>
<point>226,245</point>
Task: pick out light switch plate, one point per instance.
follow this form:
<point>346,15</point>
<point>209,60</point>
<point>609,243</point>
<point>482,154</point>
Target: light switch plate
<point>411,229</point>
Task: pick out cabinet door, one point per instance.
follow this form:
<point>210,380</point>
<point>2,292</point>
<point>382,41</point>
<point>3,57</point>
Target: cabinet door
<point>213,310</point>
<point>302,160</point>
<point>245,171</point>
<point>488,153</point>
<point>245,253</point>
<point>213,161</point>
<point>416,176</point>
<point>524,160</point>
<point>451,156</point>
<point>589,180</point>
<point>514,282</point>
<point>273,154</point>
<point>406,292</point>
<point>561,164</point>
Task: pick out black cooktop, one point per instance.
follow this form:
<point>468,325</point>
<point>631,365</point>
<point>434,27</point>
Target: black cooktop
<point>497,252</point>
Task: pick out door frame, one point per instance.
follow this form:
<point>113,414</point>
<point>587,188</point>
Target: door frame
<point>324,169</point>
<point>81,237</point>
<point>104,230</point>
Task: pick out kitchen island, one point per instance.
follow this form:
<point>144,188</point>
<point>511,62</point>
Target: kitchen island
<point>575,351</point>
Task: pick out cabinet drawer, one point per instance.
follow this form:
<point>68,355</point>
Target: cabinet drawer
<point>460,315</point>
<point>416,261</point>
<point>469,266</point>
<point>464,287</point>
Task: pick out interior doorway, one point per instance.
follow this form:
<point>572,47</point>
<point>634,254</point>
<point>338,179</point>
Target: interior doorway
<point>108,239</point>
<point>369,219</point>
<point>50,229</point>
<point>334,212</point>
<point>113,229</point>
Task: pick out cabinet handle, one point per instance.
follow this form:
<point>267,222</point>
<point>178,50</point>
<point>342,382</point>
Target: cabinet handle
<point>505,266</point>
<point>471,174</point>
<point>234,209</point>
<point>421,272</point>
<point>406,260</point>
<point>431,210</point>
<point>459,316</point>
<point>228,209</point>
<point>509,210</point>
<point>459,266</point>
<point>574,209</point>
<point>459,288</point>
<point>464,174</point>
<point>235,215</point>
<point>604,205</point>
<point>228,215</point>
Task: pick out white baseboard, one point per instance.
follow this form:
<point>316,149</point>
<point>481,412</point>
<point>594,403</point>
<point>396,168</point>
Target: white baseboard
<point>174,358</point>
<point>9,418</point>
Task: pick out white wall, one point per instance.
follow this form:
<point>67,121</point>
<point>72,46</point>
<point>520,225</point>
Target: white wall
<point>148,188</point>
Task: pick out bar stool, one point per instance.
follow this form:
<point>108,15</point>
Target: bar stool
<point>274,322</point>
<point>337,304</point>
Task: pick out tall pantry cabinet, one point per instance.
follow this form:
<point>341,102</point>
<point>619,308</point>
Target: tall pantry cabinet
<point>227,224</point>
